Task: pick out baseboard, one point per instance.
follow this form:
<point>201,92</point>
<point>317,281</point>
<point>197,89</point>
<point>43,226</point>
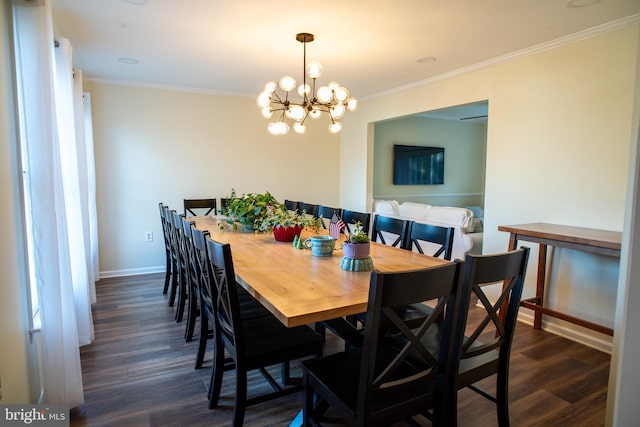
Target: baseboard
<point>132,272</point>
<point>571,332</point>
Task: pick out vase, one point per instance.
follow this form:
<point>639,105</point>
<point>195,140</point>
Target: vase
<point>286,234</point>
<point>356,250</point>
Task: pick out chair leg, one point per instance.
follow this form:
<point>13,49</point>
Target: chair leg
<point>167,276</point>
<point>174,284</point>
<point>202,341</point>
<point>502,397</point>
<point>217,370</point>
<point>241,397</point>
<point>192,313</point>
<point>182,295</point>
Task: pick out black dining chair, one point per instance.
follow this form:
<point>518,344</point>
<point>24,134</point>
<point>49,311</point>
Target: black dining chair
<point>485,350</point>
<point>351,217</point>
<point>166,233</point>
<point>182,275</point>
<point>392,376</point>
<point>200,207</point>
<point>435,240</point>
<point>291,205</point>
<point>387,228</point>
<point>308,208</point>
<point>326,212</point>
<point>250,308</point>
<point>175,255</point>
<point>191,274</point>
<point>251,343</point>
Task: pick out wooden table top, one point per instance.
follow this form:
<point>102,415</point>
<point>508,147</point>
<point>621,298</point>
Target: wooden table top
<point>299,288</point>
<point>588,237</point>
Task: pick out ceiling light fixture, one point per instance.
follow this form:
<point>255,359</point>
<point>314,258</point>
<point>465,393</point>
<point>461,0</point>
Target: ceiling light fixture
<point>332,98</point>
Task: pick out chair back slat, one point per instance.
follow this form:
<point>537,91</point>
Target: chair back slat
<point>351,217</point>
<point>200,207</point>
<point>385,227</point>
<point>440,237</point>
<point>326,212</point>
<point>308,208</point>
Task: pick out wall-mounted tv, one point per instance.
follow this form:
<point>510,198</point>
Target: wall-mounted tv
<point>418,165</point>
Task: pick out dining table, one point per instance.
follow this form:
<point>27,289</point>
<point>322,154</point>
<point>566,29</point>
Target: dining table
<point>297,287</point>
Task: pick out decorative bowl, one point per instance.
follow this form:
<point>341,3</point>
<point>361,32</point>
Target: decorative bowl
<point>286,234</point>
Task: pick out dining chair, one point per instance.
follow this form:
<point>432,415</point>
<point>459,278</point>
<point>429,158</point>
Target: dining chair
<point>200,207</point>
<point>377,384</point>
<point>250,308</point>
<point>251,343</point>
<point>351,217</point>
<point>485,350</point>
<point>175,257</point>
<point>291,205</point>
<point>191,274</point>
<point>436,240</point>
<point>308,208</point>
<point>326,212</point>
<point>166,233</point>
<point>385,227</point>
<point>181,265</point>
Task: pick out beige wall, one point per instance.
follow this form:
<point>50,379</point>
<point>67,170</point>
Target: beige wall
<point>558,143</point>
<point>155,145</point>
<point>465,147</point>
<point>17,353</point>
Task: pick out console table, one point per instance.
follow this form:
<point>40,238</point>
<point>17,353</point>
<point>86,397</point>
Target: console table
<point>601,242</point>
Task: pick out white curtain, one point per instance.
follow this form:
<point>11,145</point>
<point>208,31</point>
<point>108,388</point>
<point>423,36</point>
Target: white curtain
<point>60,203</point>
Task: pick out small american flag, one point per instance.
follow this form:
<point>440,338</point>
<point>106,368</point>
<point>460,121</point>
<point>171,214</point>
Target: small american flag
<point>335,226</point>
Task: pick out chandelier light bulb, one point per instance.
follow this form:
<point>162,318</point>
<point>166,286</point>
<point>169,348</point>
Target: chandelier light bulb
<point>335,127</point>
<point>341,94</point>
<point>264,100</point>
<point>296,112</point>
<point>299,128</point>
<point>278,128</point>
<point>352,104</point>
<point>267,113</point>
<point>314,69</point>
<point>324,94</point>
<point>304,90</point>
<point>315,113</point>
<point>287,83</point>
<point>270,87</point>
<point>338,111</point>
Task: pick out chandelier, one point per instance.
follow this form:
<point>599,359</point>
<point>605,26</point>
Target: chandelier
<point>331,98</point>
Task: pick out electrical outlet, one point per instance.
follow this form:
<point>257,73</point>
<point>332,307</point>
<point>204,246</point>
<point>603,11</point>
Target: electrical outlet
<point>148,236</point>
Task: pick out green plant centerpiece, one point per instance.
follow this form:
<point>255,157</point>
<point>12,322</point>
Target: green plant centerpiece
<point>356,250</point>
<point>286,225</point>
<point>248,211</point>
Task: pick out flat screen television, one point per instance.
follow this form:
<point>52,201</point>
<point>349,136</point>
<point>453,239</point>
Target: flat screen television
<point>418,165</point>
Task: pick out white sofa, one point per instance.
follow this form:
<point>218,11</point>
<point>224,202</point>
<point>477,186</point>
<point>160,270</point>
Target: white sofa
<point>467,235</point>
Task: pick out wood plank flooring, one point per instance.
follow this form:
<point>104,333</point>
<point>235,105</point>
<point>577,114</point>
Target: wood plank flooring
<point>139,371</point>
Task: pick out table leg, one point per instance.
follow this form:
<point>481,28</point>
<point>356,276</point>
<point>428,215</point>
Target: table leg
<point>542,270</point>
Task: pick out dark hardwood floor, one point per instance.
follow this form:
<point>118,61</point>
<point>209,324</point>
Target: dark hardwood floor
<point>139,371</point>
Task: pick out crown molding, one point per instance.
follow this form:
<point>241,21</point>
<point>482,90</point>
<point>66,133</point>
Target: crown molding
<point>572,38</point>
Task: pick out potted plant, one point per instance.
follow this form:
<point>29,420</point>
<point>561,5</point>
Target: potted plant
<point>357,245</point>
<point>286,225</point>
<point>248,212</point>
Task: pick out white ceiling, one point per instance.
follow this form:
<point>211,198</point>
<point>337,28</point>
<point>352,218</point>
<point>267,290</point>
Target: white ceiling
<point>235,46</point>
